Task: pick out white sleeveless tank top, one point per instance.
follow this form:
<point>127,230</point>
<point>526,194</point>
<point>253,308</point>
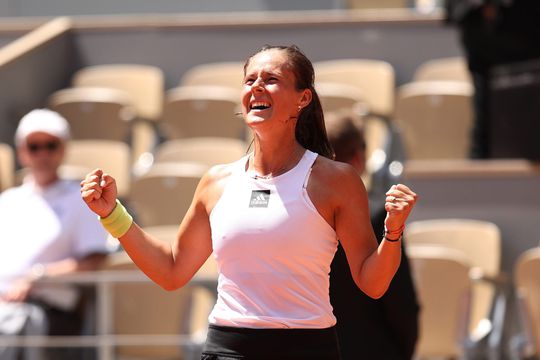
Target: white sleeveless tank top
<point>273,251</point>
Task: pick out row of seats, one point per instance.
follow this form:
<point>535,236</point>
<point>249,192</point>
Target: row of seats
<point>172,174</point>
<point>456,269</point>
<point>167,314</point>
<point>104,100</point>
<point>429,115</point>
<point>433,113</point>
<point>202,107</point>
<point>464,294</point>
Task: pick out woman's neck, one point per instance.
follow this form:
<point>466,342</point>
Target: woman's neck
<point>271,159</point>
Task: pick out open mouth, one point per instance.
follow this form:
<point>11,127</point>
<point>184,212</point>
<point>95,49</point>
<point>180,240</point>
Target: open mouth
<point>259,105</point>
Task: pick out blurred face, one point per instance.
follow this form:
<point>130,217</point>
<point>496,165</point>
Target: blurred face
<point>269,92</point>
<point>43,154</point>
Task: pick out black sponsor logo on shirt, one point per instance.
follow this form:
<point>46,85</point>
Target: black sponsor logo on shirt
<point>259,198</point>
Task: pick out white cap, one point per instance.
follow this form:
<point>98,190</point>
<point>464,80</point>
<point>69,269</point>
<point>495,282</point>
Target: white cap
<point>42,120</point>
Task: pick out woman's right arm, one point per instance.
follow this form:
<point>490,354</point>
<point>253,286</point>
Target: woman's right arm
<point>169,265</point>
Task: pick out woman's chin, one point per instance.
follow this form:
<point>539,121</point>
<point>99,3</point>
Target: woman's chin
<point>254,120</point>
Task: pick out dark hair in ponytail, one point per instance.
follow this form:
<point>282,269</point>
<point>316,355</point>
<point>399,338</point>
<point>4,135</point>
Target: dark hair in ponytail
<point>310,128</point>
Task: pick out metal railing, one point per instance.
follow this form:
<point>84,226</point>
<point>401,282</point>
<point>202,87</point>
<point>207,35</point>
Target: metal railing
<point>105,340</point>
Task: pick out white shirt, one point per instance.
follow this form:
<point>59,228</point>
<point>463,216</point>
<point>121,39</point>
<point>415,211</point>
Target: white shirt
<point>273,251</point>
<point>44,226</point>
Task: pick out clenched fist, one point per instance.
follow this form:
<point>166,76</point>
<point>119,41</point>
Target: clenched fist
<point>400,200</point>
<point>98,190</point>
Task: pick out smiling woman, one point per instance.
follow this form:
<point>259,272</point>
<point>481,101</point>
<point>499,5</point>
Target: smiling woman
<point>272,220</point>
<point>285,69</point>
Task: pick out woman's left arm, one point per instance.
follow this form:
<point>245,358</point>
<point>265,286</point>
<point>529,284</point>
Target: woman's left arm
<point>372,266</point>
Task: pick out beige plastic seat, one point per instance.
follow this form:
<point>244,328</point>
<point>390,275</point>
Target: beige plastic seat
<point>377,4</point>
<point>375,80</point>
<point>145,309</point>
<point>202,299</point>
<point>83,156</point>
<point>163,195</point>
<point>201,111</point>
<point>229,74</point>
<point>435,119</point>
<point>143,83</point>
<point>7,167</point>
<point>480,242</point>
<point>526,345</point>
<point>335,96</point>
<point>205,150</point>
<point>95,112</point>
<point>441,277</point>
<point>450,68</point>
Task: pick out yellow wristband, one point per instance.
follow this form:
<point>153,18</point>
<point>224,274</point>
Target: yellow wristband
<point>118,222</point>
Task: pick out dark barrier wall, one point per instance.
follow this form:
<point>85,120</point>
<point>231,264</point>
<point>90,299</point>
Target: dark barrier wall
<point>176,43</point>
<point>31,77</point>
<point>74,7</point>
<point>405,44</point>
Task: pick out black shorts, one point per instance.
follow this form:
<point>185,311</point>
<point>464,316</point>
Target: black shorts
<point>232,343</point>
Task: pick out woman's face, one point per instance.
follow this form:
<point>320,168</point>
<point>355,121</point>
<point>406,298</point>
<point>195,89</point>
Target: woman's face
<point>269,91</point>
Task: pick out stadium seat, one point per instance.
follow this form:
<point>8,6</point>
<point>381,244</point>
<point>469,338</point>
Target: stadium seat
<point>450,68</point>
<point>435,119</point>
<point>441,277</point>
<point>228,74</point>
<point>374,79</point>
<point>205,150</point>
<point>7,166</point>
<point>95,112</point>
<point>526,343</point>
<point>480,242</point>
<point>163,195</point>
<point>202,111</point>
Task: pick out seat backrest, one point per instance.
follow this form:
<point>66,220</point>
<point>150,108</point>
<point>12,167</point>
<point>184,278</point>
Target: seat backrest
<point>480,241</point>
<point>202,300</point>
<point>374,79</point>
<point>144,308</point>
<point>450,68</point>
<point>205,150</point>
<point>163,195</point>
<point>441,277</point>
<point>377,4</point>
<point>94,112</point>
<point>83,156</point>
<point>335,96</point>
<point>526,276</point>
<point>228,74</point>
<point>435,119</point>
<point>7,167</point>
<point>143,83</point>
<point>201,111</point>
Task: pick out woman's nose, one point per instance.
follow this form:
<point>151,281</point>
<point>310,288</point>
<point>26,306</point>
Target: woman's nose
<point>257,85</point>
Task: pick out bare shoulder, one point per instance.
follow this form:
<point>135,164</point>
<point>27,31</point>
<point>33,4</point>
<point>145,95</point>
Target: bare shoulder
<point>334,184</point>
<point>334,174</point>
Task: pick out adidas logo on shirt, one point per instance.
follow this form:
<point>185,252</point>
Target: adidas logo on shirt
<point>259,198</point>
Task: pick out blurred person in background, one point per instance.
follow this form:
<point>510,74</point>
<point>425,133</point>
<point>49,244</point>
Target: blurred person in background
<point>388,325</point>
<point>493,32</point>
<point>45,231</point>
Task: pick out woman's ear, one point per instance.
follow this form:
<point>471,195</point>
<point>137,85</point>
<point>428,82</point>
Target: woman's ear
<point>305,99</point>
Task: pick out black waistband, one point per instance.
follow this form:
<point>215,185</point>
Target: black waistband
<point>246,343</point>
